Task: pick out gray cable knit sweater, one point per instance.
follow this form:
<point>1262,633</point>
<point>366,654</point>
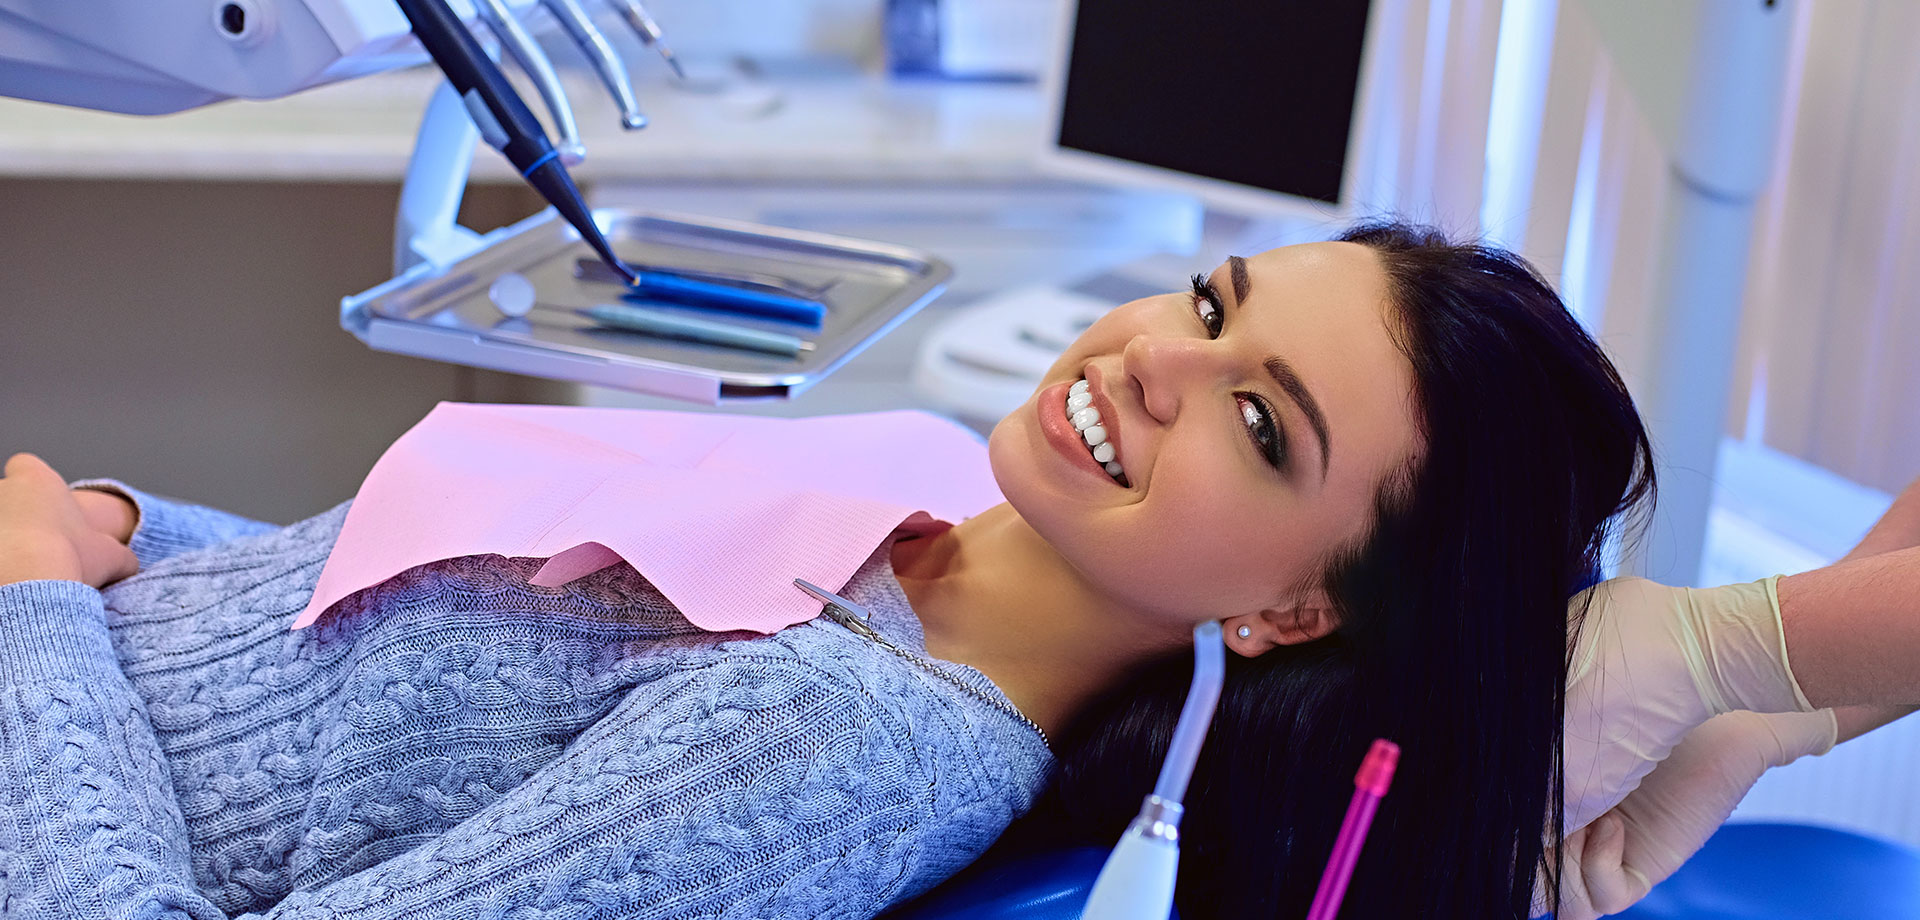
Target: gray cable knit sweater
<point>457,743</point>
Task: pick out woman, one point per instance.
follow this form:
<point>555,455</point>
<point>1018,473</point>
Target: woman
<point>1449,593</point>
<point>1381,462</point>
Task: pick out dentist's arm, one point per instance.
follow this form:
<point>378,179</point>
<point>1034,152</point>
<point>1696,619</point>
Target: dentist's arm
<point>1640,842</point>
<point>1853,628</point>
<point>1898,528</point>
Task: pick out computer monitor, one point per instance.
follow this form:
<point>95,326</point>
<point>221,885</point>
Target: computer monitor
<point>1258,107</point>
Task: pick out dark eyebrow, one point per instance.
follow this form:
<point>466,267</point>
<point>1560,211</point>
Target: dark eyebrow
<point>1282,373</point>
<point>1237,267</point>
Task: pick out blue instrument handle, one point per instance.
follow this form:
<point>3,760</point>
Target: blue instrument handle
<point>728,298</point>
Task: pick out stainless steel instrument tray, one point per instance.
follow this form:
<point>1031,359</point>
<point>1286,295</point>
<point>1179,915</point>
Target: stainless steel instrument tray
<point>868,289</point>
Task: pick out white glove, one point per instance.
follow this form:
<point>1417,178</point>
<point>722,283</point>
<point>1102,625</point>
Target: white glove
<point>1652,663</point>
<point>1613,862</point>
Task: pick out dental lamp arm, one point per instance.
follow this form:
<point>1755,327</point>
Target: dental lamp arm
<point>152,57</point>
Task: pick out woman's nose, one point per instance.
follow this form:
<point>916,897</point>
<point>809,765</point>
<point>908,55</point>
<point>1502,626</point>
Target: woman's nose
<point>1162,367</point>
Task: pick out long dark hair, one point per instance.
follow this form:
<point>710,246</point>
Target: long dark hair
<point>1453,641</point>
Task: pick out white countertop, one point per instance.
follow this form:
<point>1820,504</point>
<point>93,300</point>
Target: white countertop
<point>827,125</point>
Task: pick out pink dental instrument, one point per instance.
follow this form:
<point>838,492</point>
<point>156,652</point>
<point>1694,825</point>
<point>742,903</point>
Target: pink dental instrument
<point>1369,785</point>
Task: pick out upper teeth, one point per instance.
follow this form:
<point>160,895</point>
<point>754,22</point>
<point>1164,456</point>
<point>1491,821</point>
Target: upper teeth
<point>1086,420</point>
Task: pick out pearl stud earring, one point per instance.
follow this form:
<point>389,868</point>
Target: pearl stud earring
<point>1244,632</point>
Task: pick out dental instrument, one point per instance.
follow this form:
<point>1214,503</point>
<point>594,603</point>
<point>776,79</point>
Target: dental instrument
<point>579,27</point>
<point>1370,784</point>
<point>693,329</point>
<point>693,292</point>
<point>514,295</point>
<point>711,293</point>
<point>1137,881</point>
<point>594,270</point>
<point>539,68</point>
<point>502,117</point>
<point>649,32</point>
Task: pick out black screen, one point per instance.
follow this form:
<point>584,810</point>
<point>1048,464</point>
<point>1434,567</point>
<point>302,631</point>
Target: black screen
<point>1258,92</point>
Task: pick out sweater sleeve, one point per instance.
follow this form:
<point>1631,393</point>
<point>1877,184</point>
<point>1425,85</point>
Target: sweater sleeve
<point>747,787</point>
<point>166,527</point>
<point>90,821</point>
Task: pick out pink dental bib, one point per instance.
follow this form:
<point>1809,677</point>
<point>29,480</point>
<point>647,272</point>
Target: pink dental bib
<point>720,512</point>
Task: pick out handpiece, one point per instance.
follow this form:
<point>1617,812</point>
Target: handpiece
<point>503,118</point>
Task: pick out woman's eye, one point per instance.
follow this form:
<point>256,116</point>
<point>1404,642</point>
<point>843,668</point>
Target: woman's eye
<point>1254,411</point>
<point>1206,305</point>
<point>1258,417</point>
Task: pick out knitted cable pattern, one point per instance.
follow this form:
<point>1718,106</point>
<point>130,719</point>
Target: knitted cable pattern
<point>456,742</point>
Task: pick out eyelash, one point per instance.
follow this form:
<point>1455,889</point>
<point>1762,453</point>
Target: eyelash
<point>1261,429</point>
<point>1203,292</point>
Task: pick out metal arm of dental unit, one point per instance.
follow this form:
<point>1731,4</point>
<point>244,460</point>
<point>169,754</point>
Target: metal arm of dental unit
<point>150,57</point>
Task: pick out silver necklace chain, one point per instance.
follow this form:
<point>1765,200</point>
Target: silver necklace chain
<point>860,627</point>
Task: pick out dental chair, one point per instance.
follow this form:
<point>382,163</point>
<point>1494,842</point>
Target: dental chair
<point>1786,872</point>
<point>1744,872</point>
<point>1052,885</point>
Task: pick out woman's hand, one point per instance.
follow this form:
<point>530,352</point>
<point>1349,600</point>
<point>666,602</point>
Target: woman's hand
<point>107,512</point>
<point>45,534</point>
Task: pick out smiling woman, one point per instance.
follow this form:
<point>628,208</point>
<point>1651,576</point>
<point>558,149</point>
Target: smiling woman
<point>1411,583</point>
<point>1210,522</point>
<point>1379,462</point>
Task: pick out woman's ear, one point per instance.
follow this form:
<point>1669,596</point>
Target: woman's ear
<point>1295,625</point>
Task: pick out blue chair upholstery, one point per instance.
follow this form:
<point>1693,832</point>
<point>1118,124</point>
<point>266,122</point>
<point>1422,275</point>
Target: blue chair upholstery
<point>1745,872</point>
<point>1788,872</point>
<point>1042,886</point>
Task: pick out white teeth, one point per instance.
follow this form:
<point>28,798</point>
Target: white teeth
<point>1086,420</point>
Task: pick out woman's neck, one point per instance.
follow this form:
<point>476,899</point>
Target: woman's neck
<point>992,594</point>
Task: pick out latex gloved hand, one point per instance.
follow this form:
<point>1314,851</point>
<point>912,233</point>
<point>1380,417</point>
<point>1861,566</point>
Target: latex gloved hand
<point>1652,663</point>
<point>1614,861</point>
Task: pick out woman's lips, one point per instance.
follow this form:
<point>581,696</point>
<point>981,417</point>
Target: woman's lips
<point>1052,406</point>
